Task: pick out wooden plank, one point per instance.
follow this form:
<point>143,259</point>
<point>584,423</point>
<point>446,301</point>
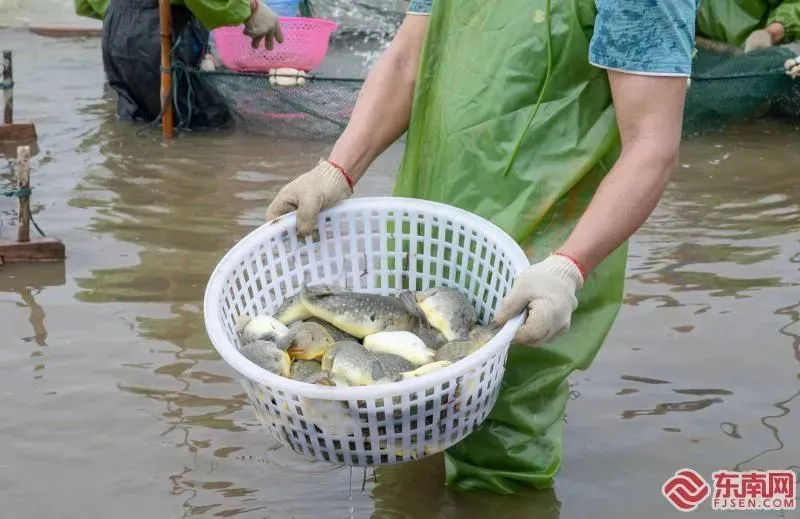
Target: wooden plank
<point>9,148</point>
<point>36,250</point>
<point>22,132</point>
<point>66,31</point>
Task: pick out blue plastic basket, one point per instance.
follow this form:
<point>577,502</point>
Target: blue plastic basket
<point>283,7</point>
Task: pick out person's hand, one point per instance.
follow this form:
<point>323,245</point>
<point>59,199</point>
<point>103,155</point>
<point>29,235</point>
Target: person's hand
<point>547,289</point>
<point>263,24</point>
<point>771,35</point>
<point>324,186</point>
<point>760,39</point>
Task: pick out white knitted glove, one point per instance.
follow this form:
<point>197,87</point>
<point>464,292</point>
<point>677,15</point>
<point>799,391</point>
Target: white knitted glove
<point>207,64</point>
<point>547,289</point>
<point>759,39</point>
<point>263,24</point>
<point>322,187</point>
<point>792,66</point>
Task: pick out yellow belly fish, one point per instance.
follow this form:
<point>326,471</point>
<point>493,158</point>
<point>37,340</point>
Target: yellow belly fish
<point>359,314</point>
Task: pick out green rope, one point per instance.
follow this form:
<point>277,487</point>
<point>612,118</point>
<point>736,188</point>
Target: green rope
<point>25,192</point>
<point>740,75</point>
<point>181,70</point>
<point>7,86</point>
<point>176,68</point>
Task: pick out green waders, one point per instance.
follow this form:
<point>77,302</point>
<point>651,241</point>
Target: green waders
<point>474,143</point>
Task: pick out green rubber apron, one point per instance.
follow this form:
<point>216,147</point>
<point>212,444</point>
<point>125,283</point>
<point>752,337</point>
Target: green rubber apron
<point>732,21</point>
<point>474,142</point>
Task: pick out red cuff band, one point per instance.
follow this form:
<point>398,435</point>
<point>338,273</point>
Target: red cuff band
<point>573,260</point>
<point>343,172</point>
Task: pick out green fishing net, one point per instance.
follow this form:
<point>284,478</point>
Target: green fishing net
<point>728,87</point>
<point>318,109</point>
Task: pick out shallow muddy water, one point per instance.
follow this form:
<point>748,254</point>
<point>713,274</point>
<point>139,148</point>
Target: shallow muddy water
<point>116,405</point>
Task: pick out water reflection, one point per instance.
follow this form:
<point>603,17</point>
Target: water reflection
<point>180,205</point>
<point>416,491</point>
<point>667,407</point>
<point>28,281</point>
<point>730,429</point>
<point>733,206</point>
<point>791,330</point>
<point>182,485</point>
<point>767,421</point>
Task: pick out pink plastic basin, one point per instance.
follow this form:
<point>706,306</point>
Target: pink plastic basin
<point>304,47</point>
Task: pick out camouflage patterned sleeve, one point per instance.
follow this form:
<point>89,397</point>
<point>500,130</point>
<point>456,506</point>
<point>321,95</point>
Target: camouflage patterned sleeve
<point>419,7</point>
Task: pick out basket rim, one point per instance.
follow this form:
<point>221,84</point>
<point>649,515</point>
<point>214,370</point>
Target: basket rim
<point>316,22</point>
<point>251,371</point>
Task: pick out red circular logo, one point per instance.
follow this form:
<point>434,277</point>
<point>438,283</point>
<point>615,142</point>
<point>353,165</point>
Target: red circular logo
<point>686,490</point>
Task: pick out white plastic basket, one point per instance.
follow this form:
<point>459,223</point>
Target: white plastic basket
<point>361,242</point>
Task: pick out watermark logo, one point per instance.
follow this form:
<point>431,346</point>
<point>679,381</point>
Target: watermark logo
<point>772,490</point>
<point>686,490</point>
<point>754,490</point>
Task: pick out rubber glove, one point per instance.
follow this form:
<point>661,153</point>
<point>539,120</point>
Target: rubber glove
<point>547,289</point>
<point>262,24</point>
<point>324,186</point>
<point>760,39</point>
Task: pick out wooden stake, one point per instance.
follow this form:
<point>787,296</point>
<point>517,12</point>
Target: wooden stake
<point>8,88</point>
<point>24,182</point>
<point>25,250</point>
<point>9,130</point>
<point>166,67</point>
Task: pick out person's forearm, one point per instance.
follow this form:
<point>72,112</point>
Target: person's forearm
<point>381,113</point>
<point>622,203</point>
<point>213,14</point>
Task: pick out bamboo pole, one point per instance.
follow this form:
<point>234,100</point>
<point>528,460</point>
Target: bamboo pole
<point>23,183</point>
<point>8,89</point>
<point>166,68</point>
